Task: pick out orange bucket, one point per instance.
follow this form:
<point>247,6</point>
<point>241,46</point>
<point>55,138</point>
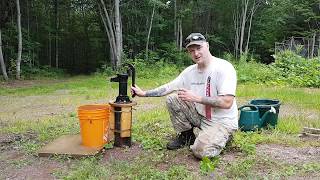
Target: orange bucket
<point>94,124</point>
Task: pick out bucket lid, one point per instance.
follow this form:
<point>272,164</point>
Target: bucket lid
<point>91,107</point>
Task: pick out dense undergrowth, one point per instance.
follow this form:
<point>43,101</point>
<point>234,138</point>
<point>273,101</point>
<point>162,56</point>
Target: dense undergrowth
<point>288,68</point>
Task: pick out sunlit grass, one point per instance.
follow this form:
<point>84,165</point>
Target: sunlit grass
<point>152,129</point>
<point>287,95</point>
<point>78,85</point>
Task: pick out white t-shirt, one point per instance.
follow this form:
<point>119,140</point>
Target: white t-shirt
<point>221,76</point>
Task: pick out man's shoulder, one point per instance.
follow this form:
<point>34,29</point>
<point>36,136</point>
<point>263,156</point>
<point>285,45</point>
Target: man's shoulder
<point>222,63</point>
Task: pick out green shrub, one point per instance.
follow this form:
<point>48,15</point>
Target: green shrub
<point>170,53</point>
<point>257,73</point>
<point>158,69</point>
<point>298,71</point>
<point>288,69</point>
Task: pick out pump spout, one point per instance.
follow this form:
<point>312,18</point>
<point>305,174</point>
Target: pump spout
<point>115,79</point>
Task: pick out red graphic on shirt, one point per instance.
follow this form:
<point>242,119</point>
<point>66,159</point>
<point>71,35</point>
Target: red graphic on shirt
<point>208,107</point>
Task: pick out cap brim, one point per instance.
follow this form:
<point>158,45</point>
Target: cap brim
<point>195,43</point>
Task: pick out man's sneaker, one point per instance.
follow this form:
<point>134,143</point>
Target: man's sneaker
<point>183,139</point>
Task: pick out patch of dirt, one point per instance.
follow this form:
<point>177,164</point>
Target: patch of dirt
<point>7,140</point>
<point>123,154</point>
<point>16,165</point>
<point>290,155</point>
<point>182,157</point>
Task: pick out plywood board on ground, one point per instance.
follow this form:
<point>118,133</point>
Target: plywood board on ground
<point>68,145</point>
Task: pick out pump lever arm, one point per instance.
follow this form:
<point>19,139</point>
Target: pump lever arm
<point>133,74</point>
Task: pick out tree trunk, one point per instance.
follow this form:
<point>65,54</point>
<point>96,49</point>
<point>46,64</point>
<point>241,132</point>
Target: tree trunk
<point>57,33</point>
<point>180,34</point>
<point>3,65</point>
<point>110,32</point>
<point>243,23</point>
<point>313,44</point>
<point>237,32</point>
<point>249,29</point>
<point>118,32</point>
<point>149,31</point>
<point>28,30</point>
<point>175,23</point>
<point>49,48</point>
<point>18,62</point>
<point>121,38</point>
<point>319,41</point>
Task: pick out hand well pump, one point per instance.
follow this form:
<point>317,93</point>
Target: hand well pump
<point>121,116</point>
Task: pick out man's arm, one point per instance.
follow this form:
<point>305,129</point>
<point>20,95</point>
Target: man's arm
<point>161,91</point>
<point>157,92</point>
<point>222,101</point>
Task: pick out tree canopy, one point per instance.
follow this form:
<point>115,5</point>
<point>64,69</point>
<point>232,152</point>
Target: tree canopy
<point>75,34</point>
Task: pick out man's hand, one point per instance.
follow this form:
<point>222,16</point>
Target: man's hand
<point>188,95</point>
<point>136,90</point>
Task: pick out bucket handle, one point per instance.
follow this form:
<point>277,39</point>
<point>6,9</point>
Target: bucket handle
<point>250,106</point>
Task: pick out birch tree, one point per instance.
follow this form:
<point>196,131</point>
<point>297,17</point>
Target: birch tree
<point>178,13</point>
<point>56,10</point>
<point>3,65</point>
<point>156,4</point>
<point>254,7</point>
<point>243,24</point>
<point>114,33</point>
<point>118,32</point>
<point>149,31</point>
<point>18,61</point>
<point>244,9</point>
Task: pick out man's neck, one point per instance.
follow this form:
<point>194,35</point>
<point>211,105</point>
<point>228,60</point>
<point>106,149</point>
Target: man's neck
<point>203,66</point>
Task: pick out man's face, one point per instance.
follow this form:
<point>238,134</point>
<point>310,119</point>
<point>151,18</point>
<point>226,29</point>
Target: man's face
<point>199,53</point>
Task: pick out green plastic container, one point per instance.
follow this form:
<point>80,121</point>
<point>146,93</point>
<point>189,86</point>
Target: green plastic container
<point>265,105</point>
<point>249,118</point>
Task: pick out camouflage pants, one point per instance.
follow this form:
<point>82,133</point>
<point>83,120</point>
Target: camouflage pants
<point>211,138</point>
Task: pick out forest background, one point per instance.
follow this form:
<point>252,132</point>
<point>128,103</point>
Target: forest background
<point>52,37</point>
<point>47,44</point>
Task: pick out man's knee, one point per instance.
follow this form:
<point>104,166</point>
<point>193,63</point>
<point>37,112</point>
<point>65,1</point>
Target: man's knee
<point>173,101</point>
<point>171,98</point>
<point>203,147</point>
<point>210,142</point>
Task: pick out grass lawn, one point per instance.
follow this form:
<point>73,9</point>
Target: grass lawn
<point>35,114</point>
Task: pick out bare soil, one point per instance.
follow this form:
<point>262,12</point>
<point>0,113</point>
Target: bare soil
<point>15,164</point>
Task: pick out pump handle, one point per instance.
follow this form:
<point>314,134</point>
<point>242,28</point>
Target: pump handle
<point>133,74</point>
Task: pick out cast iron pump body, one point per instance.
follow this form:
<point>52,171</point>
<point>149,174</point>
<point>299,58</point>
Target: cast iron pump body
<point>122,109</point>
